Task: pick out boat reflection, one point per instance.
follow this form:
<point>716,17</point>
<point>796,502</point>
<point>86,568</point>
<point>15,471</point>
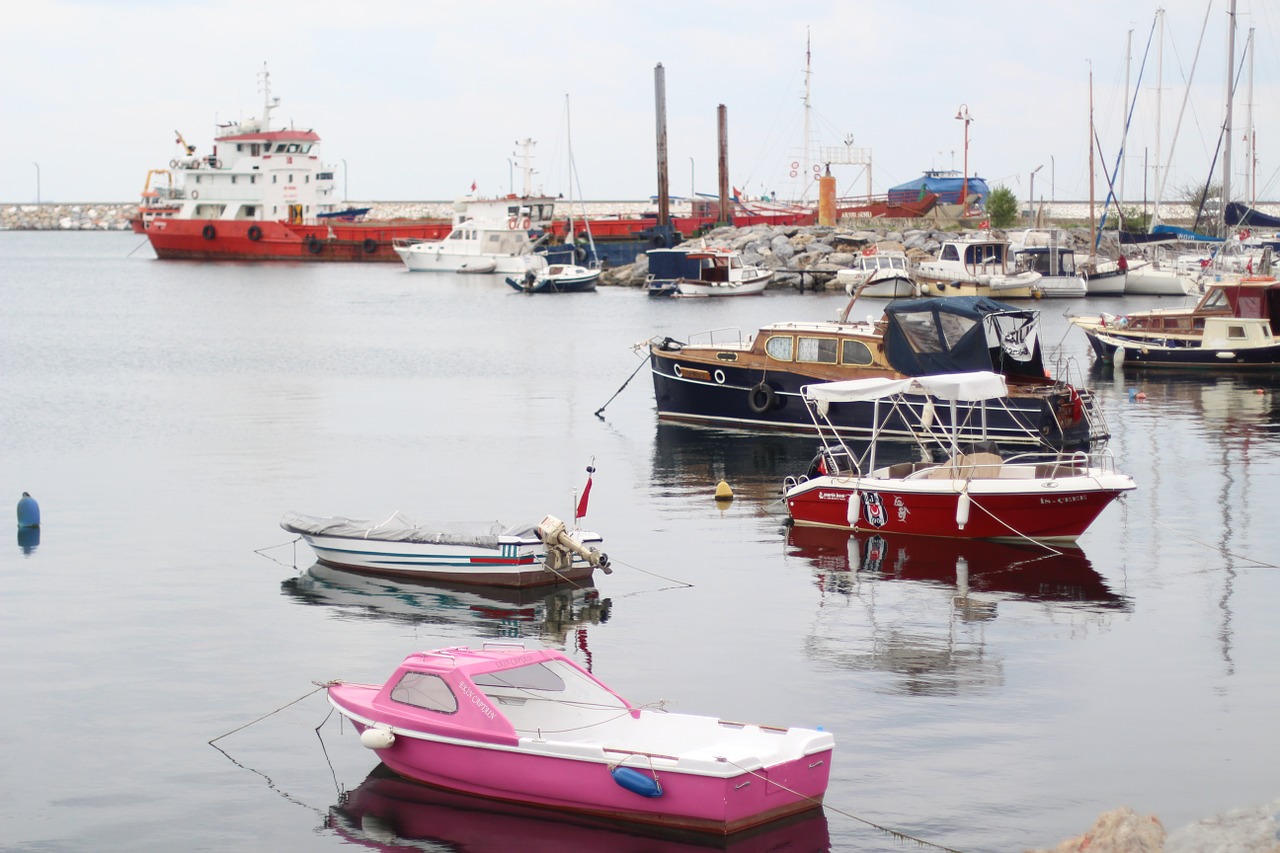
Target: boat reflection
<point>894,587</point>
<point>690,460</point>
<point>979,571</point>
<point>547,612</point>
<point>1234,402</point>
<point>386,812</point>
<point>28,540</point>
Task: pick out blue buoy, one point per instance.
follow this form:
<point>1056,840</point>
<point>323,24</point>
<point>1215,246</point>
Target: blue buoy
<point>28,511</point>
<point>636,782</point>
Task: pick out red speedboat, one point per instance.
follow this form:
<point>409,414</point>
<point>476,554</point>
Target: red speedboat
<point>962,491</point>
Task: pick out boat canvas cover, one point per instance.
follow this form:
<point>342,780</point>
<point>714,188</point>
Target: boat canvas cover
<point>673,264</point>
<point>969,387</point>
<point>1243,214</point>
<point>962,334</point>
<point>397,528</point>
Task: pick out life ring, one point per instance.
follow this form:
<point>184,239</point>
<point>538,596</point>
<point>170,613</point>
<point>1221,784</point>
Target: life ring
<point>794,173</point>
<point>795,164</point>
<point>255,233</point>
<point>208,232</point>
<point>313,245</point>
<point>173,164</point>
<point>525,223</point>
<point>195,193</point>
<point>370,245</point>
<point>761,398</point>
<point>512,223</point>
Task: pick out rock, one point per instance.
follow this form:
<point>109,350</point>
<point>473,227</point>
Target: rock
<point>839,260</point>
<point>1251,830</point>
<point>1117,831</point>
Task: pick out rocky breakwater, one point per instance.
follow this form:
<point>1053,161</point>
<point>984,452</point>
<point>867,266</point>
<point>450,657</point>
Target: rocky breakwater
<point>66,217</point>
<point>808,257</point>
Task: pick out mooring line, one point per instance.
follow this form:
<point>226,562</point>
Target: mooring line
<point>294,542</point>
<point>642,363</point>
<point>319,686</point>
<point>1209,545</point>
<point>898,834</point>
<point>679,584</point>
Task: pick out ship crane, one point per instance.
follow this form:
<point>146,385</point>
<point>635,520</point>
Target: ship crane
<point>191,149</point>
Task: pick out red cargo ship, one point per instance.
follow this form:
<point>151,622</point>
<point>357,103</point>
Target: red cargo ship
<point>263,194</point>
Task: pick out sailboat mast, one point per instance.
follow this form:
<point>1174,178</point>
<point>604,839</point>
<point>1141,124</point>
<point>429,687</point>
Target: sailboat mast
<point>1155,216</point>
<point>1251,135</point>
<point>1227,130</point>
<point>568,133</point>
<point>1124,132</point>
<point>1093,229</point>
<point>804,176</point>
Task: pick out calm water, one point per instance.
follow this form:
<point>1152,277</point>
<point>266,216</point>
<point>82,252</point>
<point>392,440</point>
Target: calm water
<point>166,414</point>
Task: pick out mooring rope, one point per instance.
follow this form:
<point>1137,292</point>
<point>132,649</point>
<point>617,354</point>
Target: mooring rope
<point>294,542</point>
<point>319,686</point>
<point>624,384</point>
<point>898,834</point>
<point>1223,551</point>
<point>678,584</point>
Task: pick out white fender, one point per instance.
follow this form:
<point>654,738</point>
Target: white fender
<point>854,511</point>
<point>962,508</point>
<point>377,737</point>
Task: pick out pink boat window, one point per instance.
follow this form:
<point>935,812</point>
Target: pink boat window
<point>535,677</point>
<point>423,690</point>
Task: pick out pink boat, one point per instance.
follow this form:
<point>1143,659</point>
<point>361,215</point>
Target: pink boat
<point>964,492</point>
<point>531,726</point>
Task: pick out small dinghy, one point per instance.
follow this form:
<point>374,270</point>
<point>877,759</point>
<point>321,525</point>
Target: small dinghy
<point>530,726</point>
<point>491,555</point>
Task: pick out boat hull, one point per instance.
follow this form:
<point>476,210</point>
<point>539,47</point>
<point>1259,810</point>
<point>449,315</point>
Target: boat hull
<point>518,563</point>
<point>685,287</point>
<point>246,240</point>
<point>420,260</point>
<point>1136,352</point>
<point>1057,510</point>
<point>727,802</point>
<point>723,395</point>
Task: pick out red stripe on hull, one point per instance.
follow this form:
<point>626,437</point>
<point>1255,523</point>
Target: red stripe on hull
<point>1062,517</point>
<point>185,239</point>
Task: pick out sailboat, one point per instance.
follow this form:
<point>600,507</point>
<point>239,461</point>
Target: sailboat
<point>544,277</point>
<point>1102,277</point>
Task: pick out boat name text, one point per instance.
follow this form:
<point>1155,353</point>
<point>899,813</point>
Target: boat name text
<point>476,699</point>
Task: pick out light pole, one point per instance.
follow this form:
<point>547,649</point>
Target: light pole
<point>37,165</point>
<point>1053,180</point>
<point>962,114</point>
<point>693,186</point>
<point>345,195</point>
<point>1031,208</point>
<point>511,176</point>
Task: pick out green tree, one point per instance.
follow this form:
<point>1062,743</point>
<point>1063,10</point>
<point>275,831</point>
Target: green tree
<point>1002,207</point>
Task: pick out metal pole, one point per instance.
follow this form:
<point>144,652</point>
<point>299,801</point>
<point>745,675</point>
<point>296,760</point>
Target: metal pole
<point>660,97</point>
<point>37,165</point>
<point>693,187</point>
<point>346,196</point>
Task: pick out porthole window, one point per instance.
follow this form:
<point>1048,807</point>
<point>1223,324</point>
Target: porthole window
<point>855,352</point>
<point>780,347</point>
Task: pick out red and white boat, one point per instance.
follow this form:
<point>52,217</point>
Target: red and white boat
<point>530,726</point>
<point>263,194</point>
<point>970,492</point>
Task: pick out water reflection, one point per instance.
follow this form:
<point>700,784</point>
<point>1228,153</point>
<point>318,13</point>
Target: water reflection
<point>28,539</point>
<point>386,812</point>
<point>1234,401</point>
<point>897,585</point>
<point>547,612</point>
<point>691,460</point>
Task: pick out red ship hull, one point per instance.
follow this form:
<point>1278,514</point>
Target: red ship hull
<point>1026,515</point>
<point>248,240</point>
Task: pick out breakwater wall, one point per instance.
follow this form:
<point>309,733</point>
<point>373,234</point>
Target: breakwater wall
<point>114,216</point>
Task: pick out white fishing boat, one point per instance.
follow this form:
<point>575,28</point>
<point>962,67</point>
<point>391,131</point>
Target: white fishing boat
<point>880,273</point>
<point>976,267</point>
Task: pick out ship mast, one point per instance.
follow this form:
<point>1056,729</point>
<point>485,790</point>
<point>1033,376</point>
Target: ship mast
<point>1226,126</point>
<point>804,177</point>
<point>267,102</point>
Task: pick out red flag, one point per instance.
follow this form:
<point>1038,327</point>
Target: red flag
<point>473,186</point>
<point>586,494</point>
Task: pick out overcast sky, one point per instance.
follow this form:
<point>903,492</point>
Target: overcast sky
<point>415,100</point>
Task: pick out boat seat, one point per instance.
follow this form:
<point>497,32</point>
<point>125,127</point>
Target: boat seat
<point>968,466</point>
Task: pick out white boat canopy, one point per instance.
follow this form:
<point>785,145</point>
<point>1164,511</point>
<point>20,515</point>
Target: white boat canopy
<point>975,386</point>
